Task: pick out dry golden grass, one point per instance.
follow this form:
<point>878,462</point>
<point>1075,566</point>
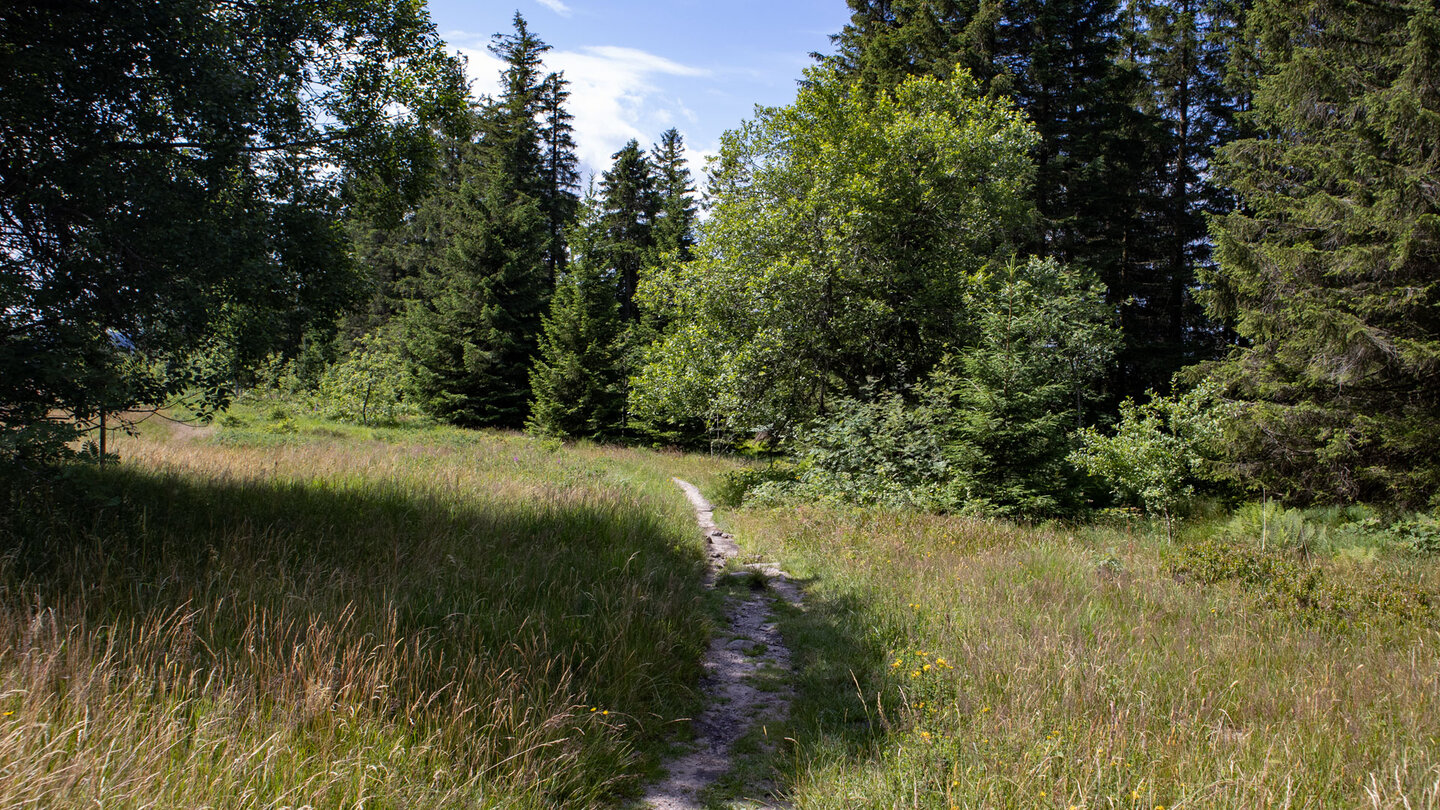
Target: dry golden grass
<point>344,619</point>
<point>956,663</point>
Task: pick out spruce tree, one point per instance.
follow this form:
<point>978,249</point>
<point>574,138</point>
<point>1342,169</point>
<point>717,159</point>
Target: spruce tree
<point>559,168</point>
<point>629,207</point>
<point>1182,48</point>
<point>675,225</point>
<point>1013,399</point>
<point>1330,267</point>
<point>595,332</point>
<point>578,379</point>
<point>481,247</point>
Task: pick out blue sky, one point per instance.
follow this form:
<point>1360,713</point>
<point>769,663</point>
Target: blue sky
<point>638,68</point>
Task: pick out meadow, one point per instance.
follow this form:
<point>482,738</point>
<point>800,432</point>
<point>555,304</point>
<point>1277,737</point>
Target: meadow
<point>287,612</point>
<point>281,614</point>
<point>946,662</point>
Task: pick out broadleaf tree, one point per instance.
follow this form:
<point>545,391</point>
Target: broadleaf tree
<point>169,212</point>
<point>845,232</point>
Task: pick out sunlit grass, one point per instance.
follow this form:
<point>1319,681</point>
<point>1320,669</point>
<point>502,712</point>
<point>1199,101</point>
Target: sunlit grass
<point>339,617</point>
<point>947,662</point>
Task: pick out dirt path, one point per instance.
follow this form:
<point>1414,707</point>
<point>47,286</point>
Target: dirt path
<point>750,648</point>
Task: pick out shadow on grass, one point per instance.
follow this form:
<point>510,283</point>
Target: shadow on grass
<point>840,648</point>
<point>581,595</point>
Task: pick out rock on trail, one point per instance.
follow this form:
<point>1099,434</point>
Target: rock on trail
<point>735,702</point>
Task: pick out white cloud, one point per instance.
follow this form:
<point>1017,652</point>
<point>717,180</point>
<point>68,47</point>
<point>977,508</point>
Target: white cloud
<point>615,95</point>
<point>557,7</point>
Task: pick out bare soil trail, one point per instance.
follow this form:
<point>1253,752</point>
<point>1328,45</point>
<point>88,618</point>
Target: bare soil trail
<point>749,648</point>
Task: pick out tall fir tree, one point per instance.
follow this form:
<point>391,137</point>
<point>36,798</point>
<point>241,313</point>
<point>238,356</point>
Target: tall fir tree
<point>675,225</point>
<point>482,248</point>
<point>578,380</point>
<point>629,208</point>
<point>559,168</point>
<point>1330,266</point>
<point>1182,48</point>
<point>595,331</point>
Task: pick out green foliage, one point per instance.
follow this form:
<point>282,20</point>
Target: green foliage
<point>675,223</point>
<point>1015,397</point>
<point>1327,266</point>
<point>171,214</point>
<point>877,451</point>
<point>802,288</point>
<point>735,486</point>
<point>1421,533</point>
<point>481,268</point>
<point>596,332</point>
<point>1160,449</point>
<point>1127,103</point>
<point>368,385</point>
<point>1282,580</point>
<point>577,379</point>
<point>989,431</point>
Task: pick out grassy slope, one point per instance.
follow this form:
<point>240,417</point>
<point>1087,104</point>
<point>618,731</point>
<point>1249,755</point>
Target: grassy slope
<point>342,617</point>
<point>955,663</point>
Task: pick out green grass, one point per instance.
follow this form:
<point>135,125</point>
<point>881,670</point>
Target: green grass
<point>331,616</point>
<point>286,611</point>
<point>946,662</point>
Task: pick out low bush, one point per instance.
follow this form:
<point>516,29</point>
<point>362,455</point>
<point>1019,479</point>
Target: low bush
<point>735,486</point>
<point>1284,580</point>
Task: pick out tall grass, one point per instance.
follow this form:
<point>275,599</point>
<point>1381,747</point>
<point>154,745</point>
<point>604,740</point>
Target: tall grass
<point>947,663</point>
<point>346,618</point>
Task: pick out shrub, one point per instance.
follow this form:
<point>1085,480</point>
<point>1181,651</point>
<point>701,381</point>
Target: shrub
<point>1421,533</point>
<point>1283,580</point>
<point>1160,450</point>
<point>736,486</point>
<point>368,385</point>
<point>880,451</point>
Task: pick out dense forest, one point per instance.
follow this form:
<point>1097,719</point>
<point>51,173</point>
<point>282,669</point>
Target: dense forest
<point>1006,258</point>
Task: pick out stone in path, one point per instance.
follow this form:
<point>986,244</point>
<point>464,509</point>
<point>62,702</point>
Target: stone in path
<point>751,643</point>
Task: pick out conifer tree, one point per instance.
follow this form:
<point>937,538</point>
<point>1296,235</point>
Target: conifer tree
<point>1182,48</point>
<point>559,168</point>
<point>481,250</point>
<point>578,379</point>
<point>675,226</point>
<point>629,207</point>
<point>1330,267</point>
<point>594,332</point>
<point>1016,395</point>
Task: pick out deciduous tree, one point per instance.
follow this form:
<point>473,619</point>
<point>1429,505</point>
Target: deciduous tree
<point>168,205</point>
<point>846,231</point>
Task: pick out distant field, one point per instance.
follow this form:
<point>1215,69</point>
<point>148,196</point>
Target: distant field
<point>955,663</point>
<point>275,614</point>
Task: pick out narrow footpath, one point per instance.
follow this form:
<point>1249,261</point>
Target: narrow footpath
<point>749,647</point>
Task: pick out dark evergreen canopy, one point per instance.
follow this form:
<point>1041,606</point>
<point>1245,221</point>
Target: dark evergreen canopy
<point>486,246</point>
<point>1330,269</point>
